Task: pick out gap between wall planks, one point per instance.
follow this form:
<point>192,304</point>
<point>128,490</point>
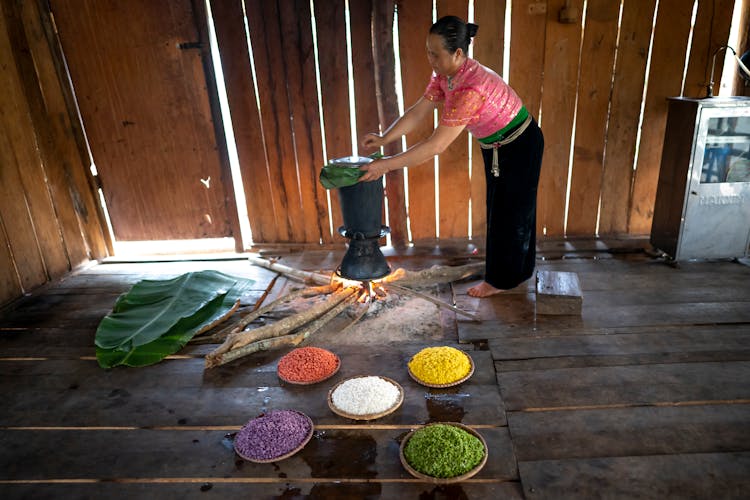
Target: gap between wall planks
<point>265,36</point>
<point>598,53</point>
<point>387,105</point>
<point>453,165</point>
<point>664,80</point>
<point>414,20</point>
<point>488,50</point>
<point>627,92</point>
<point>330,19</point>
<point>235,61</point>
<point>579,81</point>
<point>299,59</point>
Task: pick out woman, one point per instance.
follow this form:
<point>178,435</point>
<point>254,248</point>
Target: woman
<point>475,98</point>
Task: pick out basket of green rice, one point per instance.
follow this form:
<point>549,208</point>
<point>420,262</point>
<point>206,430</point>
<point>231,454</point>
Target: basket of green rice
<point>443,452</point>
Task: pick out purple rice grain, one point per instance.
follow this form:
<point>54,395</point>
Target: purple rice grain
<point>272,435</point>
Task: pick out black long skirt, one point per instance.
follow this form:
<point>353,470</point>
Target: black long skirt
<point>511,209</point>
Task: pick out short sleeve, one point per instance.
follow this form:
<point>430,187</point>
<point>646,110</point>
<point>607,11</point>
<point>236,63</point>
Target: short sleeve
<point>433,92</point>
<point>462,107</point>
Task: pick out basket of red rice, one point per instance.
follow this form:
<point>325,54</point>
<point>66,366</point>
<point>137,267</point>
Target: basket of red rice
<point>273,436</point>
<point>308,365</point>
<point>440,366</point>
<point>365,397</point>
<point>443,452</point>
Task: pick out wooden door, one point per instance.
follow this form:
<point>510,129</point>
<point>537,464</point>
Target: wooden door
<point>137,70</point>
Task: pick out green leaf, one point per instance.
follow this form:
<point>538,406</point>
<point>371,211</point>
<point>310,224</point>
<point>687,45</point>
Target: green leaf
<point>152,307</point>
<point>336,176</point>
<point>178,335</point>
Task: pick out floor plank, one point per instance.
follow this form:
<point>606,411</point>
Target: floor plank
<point>691,476</point>
<point>725,339</point>
<point>681,383</point>
<point>332,453</point>
<point>635,431</point>
<point>645,394</point>
<point>208,488</point>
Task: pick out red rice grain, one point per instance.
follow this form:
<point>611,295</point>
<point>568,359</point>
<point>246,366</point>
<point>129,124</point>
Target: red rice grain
<point>307,365</point>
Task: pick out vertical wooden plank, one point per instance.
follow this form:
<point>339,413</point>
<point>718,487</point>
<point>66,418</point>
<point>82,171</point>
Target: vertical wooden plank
<point>558,107</point>
<point>265,36</point>
<point>453,171</point>
<point>363,67</point>
<point>10,287</point>
<point>385,81</point>
<point>299,65</point>
<point>488,50</point>
<point>711,31</point>
<point>622,131</point>
<point>362,23</point>
<point>600,37</point>
<point>664,80</point>
<point>414,21</point>
<point>22,160</point>
<point>743,22</point>
<point>527,41</point>
<point>229,21</point>
<point>203,67</point>
<point>64,153</point>
<point>14,211</point>
<point>331,35</point>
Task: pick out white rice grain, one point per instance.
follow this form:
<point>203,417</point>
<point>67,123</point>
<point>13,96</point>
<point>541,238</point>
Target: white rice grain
<point>365,396</point>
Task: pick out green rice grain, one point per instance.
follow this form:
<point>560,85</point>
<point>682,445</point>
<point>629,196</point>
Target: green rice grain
<point>443,451</point>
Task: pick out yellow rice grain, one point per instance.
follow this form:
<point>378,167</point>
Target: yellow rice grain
<point>440,365</point>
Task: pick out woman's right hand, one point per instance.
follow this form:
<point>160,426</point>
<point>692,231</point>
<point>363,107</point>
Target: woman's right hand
<point>372,141</point>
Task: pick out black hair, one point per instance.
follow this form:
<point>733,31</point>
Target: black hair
<point>456,33</point>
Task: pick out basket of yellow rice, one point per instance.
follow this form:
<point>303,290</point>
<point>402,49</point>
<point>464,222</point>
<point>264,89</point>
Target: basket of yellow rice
<point>440,366</point>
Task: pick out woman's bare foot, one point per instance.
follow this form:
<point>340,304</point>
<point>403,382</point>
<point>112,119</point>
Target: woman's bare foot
<point>482,290</point>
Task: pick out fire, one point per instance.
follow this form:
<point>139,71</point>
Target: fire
<point>371,291</point>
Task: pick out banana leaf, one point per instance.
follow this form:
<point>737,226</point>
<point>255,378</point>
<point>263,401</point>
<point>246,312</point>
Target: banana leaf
<point>143,299</point>
<point>334,176</point>
<point>152,307</point>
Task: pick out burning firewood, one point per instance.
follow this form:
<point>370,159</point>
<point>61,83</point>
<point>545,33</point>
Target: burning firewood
<point>257,313</point>
<point>295,329</point>
<point>285,326</point>
<point>246,343</point>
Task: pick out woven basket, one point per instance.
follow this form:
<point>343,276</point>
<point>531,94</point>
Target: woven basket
<point>370,416</point>
<point>285,455</point>
<point>440,386</point>
<point>443,480</point>
<point>316,381</point>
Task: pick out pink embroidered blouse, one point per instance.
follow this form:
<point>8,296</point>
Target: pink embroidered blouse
<point>479,99</point>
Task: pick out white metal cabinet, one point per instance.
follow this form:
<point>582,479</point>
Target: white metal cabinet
<point>702,207</point>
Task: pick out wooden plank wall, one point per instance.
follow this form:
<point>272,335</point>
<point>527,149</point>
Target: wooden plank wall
<point>585,81</point>
<point>50,221</point>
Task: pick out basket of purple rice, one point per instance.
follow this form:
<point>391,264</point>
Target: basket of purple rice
<point>273,436</point>
<point>443,452</point>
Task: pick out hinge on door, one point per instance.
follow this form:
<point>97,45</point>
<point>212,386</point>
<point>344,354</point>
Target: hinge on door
<point>190,45</point>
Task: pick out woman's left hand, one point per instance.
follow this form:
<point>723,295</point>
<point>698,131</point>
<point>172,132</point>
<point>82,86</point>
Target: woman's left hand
<point>374,170</point>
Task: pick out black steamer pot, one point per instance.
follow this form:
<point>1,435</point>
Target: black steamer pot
<point>362,211</point>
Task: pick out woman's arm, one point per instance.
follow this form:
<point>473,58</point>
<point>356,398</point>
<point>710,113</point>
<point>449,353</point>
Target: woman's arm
<point>421,151</point>
<point>416,114</point>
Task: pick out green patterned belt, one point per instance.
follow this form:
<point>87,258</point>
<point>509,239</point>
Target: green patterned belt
<point>498,136</point>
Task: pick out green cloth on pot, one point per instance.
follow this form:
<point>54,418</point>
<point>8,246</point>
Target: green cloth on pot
<point>337,176</point>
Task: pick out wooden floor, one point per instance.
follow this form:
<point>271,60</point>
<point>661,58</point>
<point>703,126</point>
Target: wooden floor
<point>646,394</point>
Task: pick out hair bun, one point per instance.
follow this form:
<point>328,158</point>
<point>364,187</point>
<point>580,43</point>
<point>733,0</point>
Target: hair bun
<point>471,29</point>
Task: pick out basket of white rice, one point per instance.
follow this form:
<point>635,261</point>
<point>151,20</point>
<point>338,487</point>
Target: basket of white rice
<point>365,397</point>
